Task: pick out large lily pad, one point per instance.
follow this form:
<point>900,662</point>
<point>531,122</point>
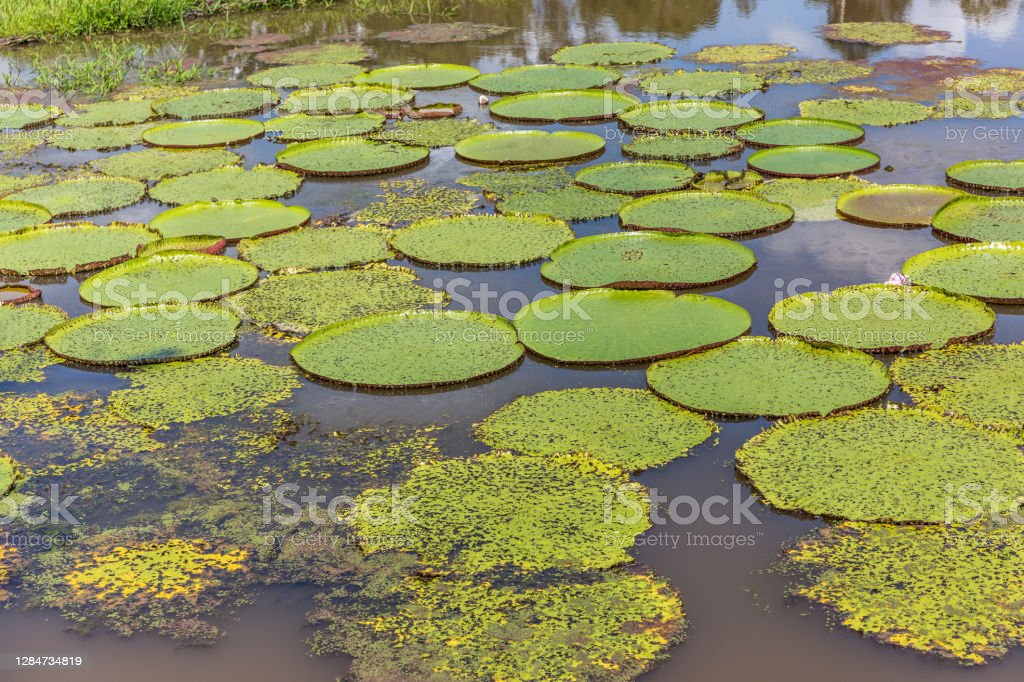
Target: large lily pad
<point>882,33</point>
<point>317,248</point>
<point>693,84</point>
<point>203,243</point>
<point>979,219</point>
<point>304,75</point>
<point>608,54</point>
<point>230,220</point>
<point>421,76</point>
<point>216,132</point>
<point>636,178</point>
<point>540,77</point>
<point>347,99</point>
<point>444,32</point>
<point>82,196</point>
<point>102,138</point>
<point>27,324</point>
<point>350,156</point>
<point>811,200</point>
<point>722,213</point>
<point>688,115</point>
<point>782,132</point>
<point>156,164</point>
<point>333,53</point>
<point>991,272</point>
<point>504,183</point>
<point>517,147</point>
<point>882,317</point>
<point>874,111</point>
<point>878,464</point>
<point>433,133</point>
<point>303,127</point>
<point>227,184</point>
<point>218,103</point>
<point>410,349</point>
<point>895,205</point>
<point>15,215</point>
<point>563,106</point>
<point>997,176</point>
<point>682,147</point>
<point>798,71</point>
<point>21,116</point>
<point>648,260</point>
<point>759,52</point>
<point>815,161</point>
<point>569,203</point>
<point>68,248</point>
<point>757,376</point>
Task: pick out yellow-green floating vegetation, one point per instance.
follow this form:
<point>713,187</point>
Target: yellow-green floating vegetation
<point>433,133</point>
<point>516,80</point>
<point>420,76</point>
<point>690,84</point>
<point>347,99</point>
<point>342,53</point>
<point>687,116</point>
<point>348,156</point>
<point>230,183</point>
<point>874,111</point>
<point>27,324</point>
<point>84,195</point>
<point>636,177</point>
<point>883,33</point>
<point>562,106</point>
<point>811,200</point>
<point>989,271</point>
<point>726,213</point>
<point>317,248</point>
<point>402,202</point>
<point>229,220</point>
<point>157,163</point>
<point>101,138</point>
<point>69,248</point>
<point>16,215</point>
<point>609,54</point>
<point>213,132</point>
<point>799,71</point>
<point>757,52</point>
<point>997,176</point>
<point>895,205</point>
<point>303,127</point>
<point>26,365</point>
<point>503,183</point>
<point>304,75</point>
<point>682,146</point>
<point>525,147</point>
<point>568,203</point>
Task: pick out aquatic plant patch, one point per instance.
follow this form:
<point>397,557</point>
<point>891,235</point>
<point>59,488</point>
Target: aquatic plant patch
<point>979,219</point>
<point>433,133</point>
<point>303,127</point>
<point>84,195</point>
<point>347,99</point>
<point>799,71</point>
<point>883,33</point>
<point>26,365</point>
<point>637,177</point>
<point>217,103</point>
<point>229,220</point>
<point>505,183</point>
<point>692,84</point>
<point>69,248</point>
<point>101,138</point>
<point>610,54</point>
<point>687,115</point>
<point>758,52</point>
<point>444,32</point>
<point>350,156</point>
<point>214,132</point>
<point>782,132</point>
<point>895,205</point>
<point>304,75</point>
<point>328,53</point>
<point>516,80</point>
<point>317,248</point>
<point>201,243</point>
<point>811,200</point>
<point>230,183</point>
<point>113,113</point>
<point>682,147</point>
<point>719,181</point>
<point>420,76</point>
<point>155,163</point>
<point>15,215</point>
<point>22,116</point>
<point>519,147</point>
<point>874,111</point>
<point>405,201</point>
<point>997,176</point>
<point>720,213</point>
<point>27,324</point>
<point>569,203</point>
<point>987,271</point>
<point>9,184</point>
<point>564,106</point>
<point>814,161</point>
<point>989,81</point>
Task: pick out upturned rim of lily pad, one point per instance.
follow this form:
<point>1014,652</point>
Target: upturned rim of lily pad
<point>581,175</point>
<point>758,161</point>
<point>946,230</point>
<point>744,133</point>
<point>466,74</point>
<point>28,293</point>
<point>956,182</point>
<point>79,267</point>
<point>297,148</point>
<point>952,193</point>
<point>664,52</point>
<point>270,96</point>
<point>302,215</point>
<point>612,76</point>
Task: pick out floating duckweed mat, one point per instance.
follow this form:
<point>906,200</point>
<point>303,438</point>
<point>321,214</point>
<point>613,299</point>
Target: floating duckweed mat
<point>21,116</point>
<point>520,147</point>
<point>882,318</point>
<point>761,52</point>
<point>882,33</point>
<point>637,177</point>
<point>168,277</point>
<point>27,324</point>
<point>26,365</point>
<point>218,103</point>
<point>421,76</point>
<point>101,138</point>
<point>203,243</point>
<point>565,520</point>
<point>991,272</point>
<point>405,201</point>
<point>610,54</point>
<point>303,127</point>
<point>317,248</point>
<point>811,200</point>
<point>410,349</point>
<point>682,147</point>
<point>334,53</point>
<point>540,77</point>
<point>350,156</point>
<point>68,248</point>
<point>481,240</point>
<point>996,176</point>
<point>569,203</point>
<point>895,205</point>
<point>304,75</point>
<point>685,115</point>
<point>761,377</point>
<point>114,113</point>
<point>497,184</point>
<point>229,220</point>
<point>814,161</point>
<point>647,260</point>
<point>138,336</point>
<point>718,181</point>
<point>721,213</point>
<point>346,99</point>
<point>624,427</point>
<point>444,32</point>
<point>15,215</point>
<point>214,132</point>
<point>434,133</point>
<point>605,326</point>
<point>186,392</point>
<point>879,464</point>
<point>978,219</point>
<point>227,184</point>
<point>302,303</point>
<point>874,111</point>
<point>799,71</point>
<point>85,195</point>
<point>156,164</point>
<point>799,131</point>
<point>690,84</point>
<point>562,106</point>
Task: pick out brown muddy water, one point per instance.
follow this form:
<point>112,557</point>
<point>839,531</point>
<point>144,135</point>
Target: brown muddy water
<point>740,624</point>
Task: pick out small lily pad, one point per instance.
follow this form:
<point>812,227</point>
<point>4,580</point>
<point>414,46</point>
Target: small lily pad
<point>304,75</point>
<point>330,53</point>
<point>230,183</point>
<point>762,52</point>
<point>421,76</point>
<point>304,127</point>
<point>991,272</point>
<point>540,77</point>
<point>15,215</point>
<point>82,196</point>
<point>518,147</point>
<point>215,132</point>
<point>721,213</point>
<point>347,99</point>
<point>350,156</point>
<point>481,240</point>
<point>682,147</point>
<point>156,164</point>
<point>22,116</point>
<point>782,132</point>
<point>569,203</point>
<point>811,200</point>
<point>883,33</point>
<point>688,115</point>
<point>116,113</point>
<point>978,219</point>
<point>433,133</point>
<point>317,248</point>
<point>695,84</point>
<point>562,106</point>
<point>815,161</point>
<point>609,54</point>
<point>101,138</point>
<point>636,178</point>
<point>895,205</point>
<point>68,248</point>
<point>995,176</point>
<point>874,111</point>
<point>27,324</point>
<point>230,220</point>
<point>217,103</point>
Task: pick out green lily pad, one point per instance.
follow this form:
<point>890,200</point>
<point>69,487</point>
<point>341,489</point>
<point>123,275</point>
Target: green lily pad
<point>883,33</point>
<point>444,32</point>
<point>10,475</point>
<point>791,378</point>
<point>688,115</point>
<point>405,201</point>
<point>421,76</point>
<point>512,147</point>
<point>481,240</point>
<point>215,132</point>
<point>302,303</point>
<point>68,248</point>
<point>569,203</point>
<point>695,84</point>
<point>637,177</point>
<point>978,219</point>
<point>540,77</point>
<point>15,215</point>
<point>410,349</point>
<point>718,181</point>
<point>991,81</point>
<point>814,161</point>
<point>882,318</point>
<point>811,200</point>
<point>27,324</point>
<point>990,272</point>
<point>331,53</point>
<point>304,75</point>
<point>609,54</point>
<point>350,156</point>
<point>682,147</point>
<point>503,183</point>
<point>101,138</point>
<point>346,99</point>
<point>217,103</point>
<point>22,116</point>
<point>562,106</point>
<point>116,113</point>
<point>878,464</point>
<point>230,183</point>
<point>26,365</point>
<point>996,176</point>
<point>759,52</point>
<point>139,336</point>
<point>874,111</point>
<point>82,196</point>
<point>895,205</point>
<point>606,326</point>
<point>230,220</point>
<point>799,71</point>
<point>647,260</point>
<point>204,243</point>
<point>303,127</point>
<point>156,164</point>
<point>9,184</point>
<point>721,213</point>
<point>433,133</point>
<point>782,132</point>
<point>317,248</point>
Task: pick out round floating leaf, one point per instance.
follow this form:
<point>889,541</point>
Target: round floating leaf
<point>505,183</point>
<point>169,277</point>
<point>410,349</point>
<point>895,205</point>
<point>11,183</point>
<point>996,176</point>
<point>347,99</point>
<point>637,177</point>
<point>481,240</point>
<point>762,377</point>
<point>203,243</point>
<point>215,132</point>
<point>809,71</point>
<point>82,196</point>
<point>811,200</point>
<point>227,184</point>
<point>444,32</point>
<point>882,33</point>
<point>218,103</point>
<point>317,248</point>
<point>721,213</point>
<point>21,116</point>
<point>306,302</point>
<point>102,138</point>
<point>759,52</point>
<point>569,203</point>
<point>230,220</point>
<point>624,427</point>
<point>540,77</point>
<point>421,76</point>
<point>684,147</point>
<point>782,132</point>
<point>304,75</point>
<point>405,201</point>
<point>68,248</point>
<point>688,115</point>
<point>117,113</point>
<point>187,392</point>
<point>606,54</point>
<point>302,127</point>
<point>433,133</point>
<point>692,84</point>
<point>14,215</point>
<point>988,271</point>
<point>878,464</point>
<point>815,161</point>
<point>981,219</point>
<point>156,164</point>
<point>333,53</point>
<point>647,260</point>
<point>27,324</point>
<point>882,317</point>
<point>16,294</point>
<point>604,326</point>
<point>510,147</point>
<point>350,156</point>
<point>874,111</point>
<point>138,336</point>
<point>564,106</point>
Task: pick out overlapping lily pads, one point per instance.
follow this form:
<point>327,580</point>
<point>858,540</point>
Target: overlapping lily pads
<point>303,127</point>
<point>721,180</point>
<point>721,213</point>
<point>214,132</point>
<point>568,203</point>
<point>520,147</point>
<point>609,54</point>
<point>227,184</point>
<point>875,111</point>
<point>229,220</point>
<point>811,200</point>
<point>203,243</point>
<point>636,178</point>
<point>996,176</point>
<point>814,161</point>
<point>882,33</point>
<point>504,183</point>
<point>350,156</point>
<point>15,215</point>
<point>421,76</point>
<point>564,106</point>
<point>84,195</point>
<point>895,205</point>
<point>347,99</point>
<point>155,163</point>
<point>68,248</point>
<point>682,147</point>
<point>317,248</point>
<point>688,115</point>
<point>540,77</point>
<point>991,272</point>
<point>27,324</point>
<point>781,132</point>
<point>979,219</point>
<point>304,75</point>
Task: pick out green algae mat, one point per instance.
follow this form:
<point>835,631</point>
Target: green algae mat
<point>720,213</point>
<point>991,272</point>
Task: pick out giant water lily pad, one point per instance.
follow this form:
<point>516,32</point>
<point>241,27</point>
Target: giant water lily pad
<point>230,183</point>
<point>27,324</point>
<point>333,53</point>
<point>217,103</point>
<point>979,219</point>
<point>759,52</point>
<point>878,464</point>
<point>139,336</point>
<point>782,132</point>
<point>304,75</point>
<point>569,203</point>
<point>988,271</point>
<point>317,248</point>
<point>21,116</point>
<point>303,127</point>
<point>895,205</point>
<point>791,378</point>
<point>85,195</point>
<point>410,349</point>
<point>347,99</point>
<point>608,54</point>
<point>230,220</point>
<point>648,260</point>
<point>15,215</point>
<point>688,115</point>
<point>68,248</point>
<point>9,184</point>
<point>540,77</point>
<point>808,70</point>
<point>203,243</point>
<point>603,326</point>
<point>682,147</point>
<point>721,213</point>
<point>882,33</point>
<point>102,138</point>
<point>636,178</point>
<point>811,200</point>
<point>624,427</point>
<point>565,106</point>
<point>444,32</point>
<point>882,317</point>
<point>421,76</point>
<point>214,132</point>
<point>997,176</point>
<point>350,156</point>
<point>815,161</point>
<point>874,111</point>
<point>405,201</point>
<point>504,183</point>
<point>481,240</point>
<point>692,84</point>
<point>156,164</point>
<point>433,133</point>
<point>512,147</point>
